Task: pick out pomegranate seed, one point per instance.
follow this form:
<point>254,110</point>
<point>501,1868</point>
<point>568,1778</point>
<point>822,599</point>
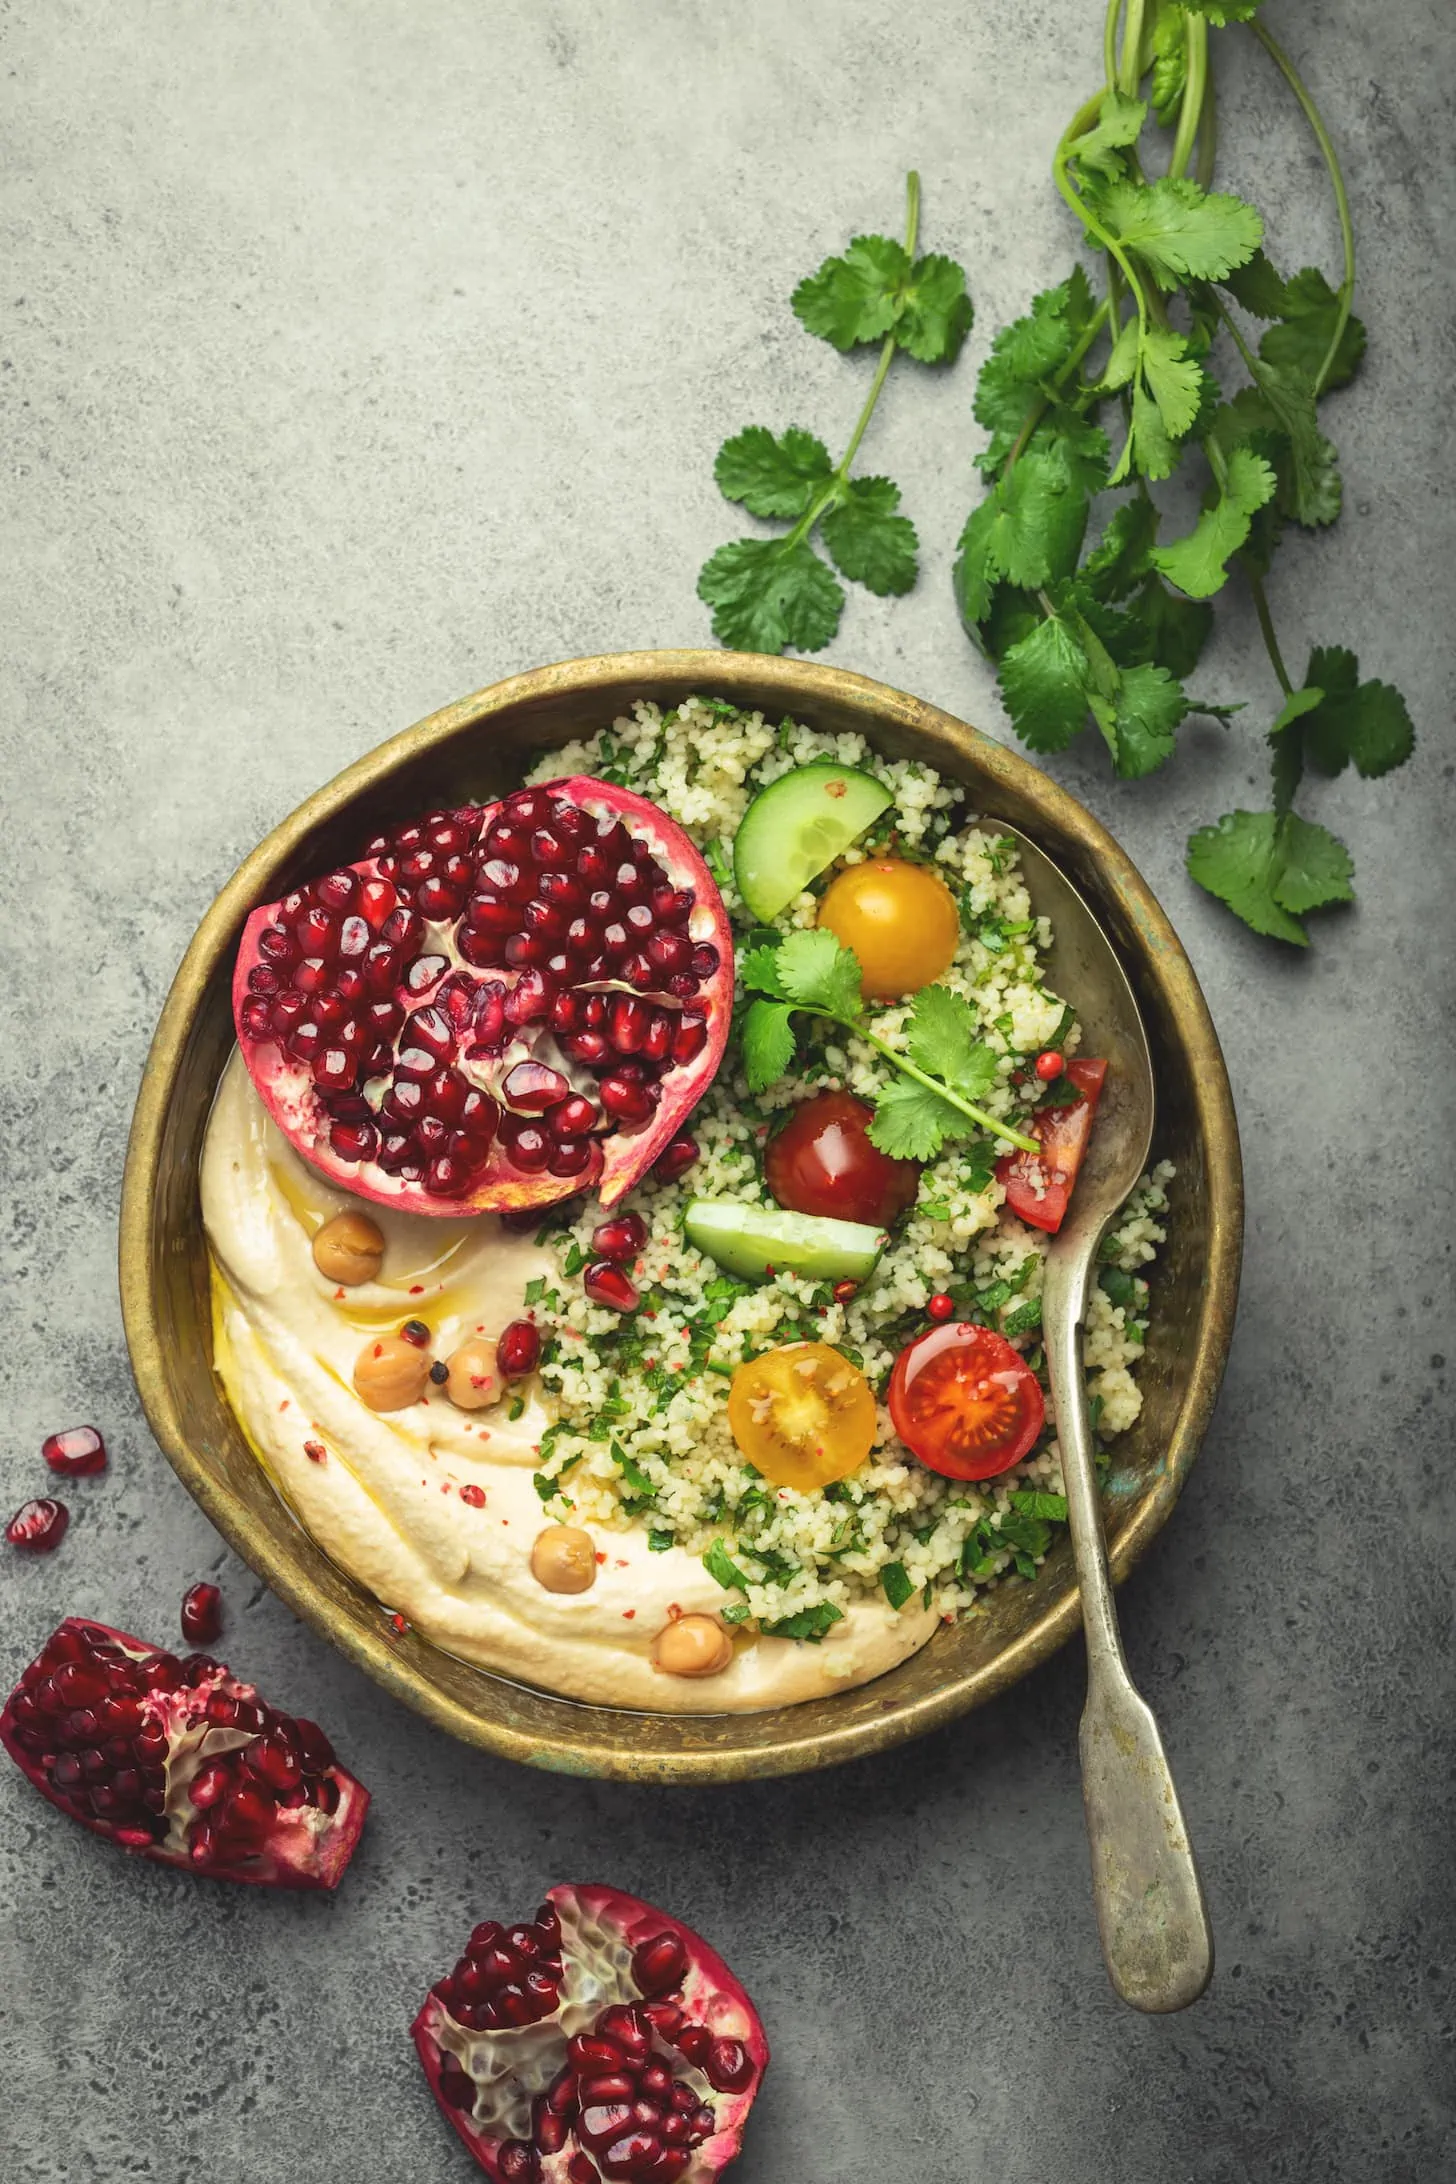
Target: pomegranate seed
<point>620,1240</point>
<point>376,900</point>
<point>277,947</point>
<point>415,1331</point>
<point>338,890</point>
<point>675,1159</point>
<point>354,1141</point>
<point>403,930</point>
<point>425,972</point>
<point>705,961</point>
<point>534,1087</point>
<point>624,1100</point>
<point>202,1614</point>
<point>607,1285</point>
<point>317,933</point>
<point>448,1176</point>
<point>689,1039</point>
<point>729,2066</point>
<point>257,1017</point>
<point>570,1156</point>
<point>589,1047</point>
<point>38,1526</point>
<point>572,1117</point>
<point>529,1147</point>
<point>518,1349</point>
<point>77,1452</point>
<point>941,1307</point>
<point>843,1291</point>
<point>1048,1065</point>
<point>660,1965</point>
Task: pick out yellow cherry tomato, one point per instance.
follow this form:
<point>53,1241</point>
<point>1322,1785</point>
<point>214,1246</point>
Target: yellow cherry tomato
<point>802,1414</point>
<point>901,921</point>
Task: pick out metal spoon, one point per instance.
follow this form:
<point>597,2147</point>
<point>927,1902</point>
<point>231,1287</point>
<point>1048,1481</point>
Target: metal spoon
<point>1151,1912</point>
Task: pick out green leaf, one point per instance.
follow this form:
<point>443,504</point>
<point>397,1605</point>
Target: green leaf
<point>1174,378</point>
<point>766,594</point>
<point>854,298</point>
<point>1119,123</point>
<point>935,312</point>
<point>816,972</point>
<point>632,1472</point>
<point>1174,629</point>
<point>1139,721</point>
<point>1364,723</point>
<point>1024,1319</point>
<point>1044,684</point>
<point>911,1123</point>
<point>1287,748</point>
<point>1149,446</point>
<point>772,477</point>
<point>941,1038</point>
<point>1198,564</point>
<point>1029,350</point>
<point>768,1043</point>
<point>1170,62</point>
<point>810,1623</point>
<point>1314,493</point>
<point>1257,287</point>
<point>975,572</point>
<point>1180,230</point>
<point>869,542</point>
<point>719,1564</point>
<point>1315,870</point>
<point>1030,1502</point>
<point>1308,315</point>
<point>1270,870</point>
<point>658,1543</point>
<point>1222,12</point>
<point>897,1586</point>
<point>1120,557</point>
<point>1122,361</point>
<point>1039,515</point>
<point>758,968</point>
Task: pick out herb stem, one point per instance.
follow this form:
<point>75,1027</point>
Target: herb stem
<point>1132,50</point>
<point>1040,407</point>
<point>1266,628</point>
<point>831,490</point>
<point>1313,116</point>
<point>1207,135</point>
<point>1094,227</point>
<point>942,1091</point>
<point>1195,84</point>
<point>1109,41</point>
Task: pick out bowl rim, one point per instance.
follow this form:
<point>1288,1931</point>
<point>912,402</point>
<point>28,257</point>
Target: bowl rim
<point>394,1666</point>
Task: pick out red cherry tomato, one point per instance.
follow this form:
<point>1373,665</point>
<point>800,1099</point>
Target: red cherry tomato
<point>822,1162</point>
<point>1048,1065</point>
<point>965,1402</point>
<point>1038,1185</point>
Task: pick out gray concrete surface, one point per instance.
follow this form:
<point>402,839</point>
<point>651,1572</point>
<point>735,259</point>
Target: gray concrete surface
<point>356,354</point>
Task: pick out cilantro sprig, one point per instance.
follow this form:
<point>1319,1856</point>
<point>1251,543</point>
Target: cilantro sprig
<point>1111,633</point>
<point>769,592</point>
<point>945,1069</point>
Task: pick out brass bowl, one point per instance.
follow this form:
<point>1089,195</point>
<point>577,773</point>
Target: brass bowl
<point>477,749</point>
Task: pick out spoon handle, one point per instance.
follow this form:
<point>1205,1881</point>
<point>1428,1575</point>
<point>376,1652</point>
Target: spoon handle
<point>1151,1912</point>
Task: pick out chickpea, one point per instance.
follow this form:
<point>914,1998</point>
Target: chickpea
<point>564,1559</point>
<point>475,1380</point>
<point>349,1250</point>
<point>390,1373</point>
<point>693,1645</point>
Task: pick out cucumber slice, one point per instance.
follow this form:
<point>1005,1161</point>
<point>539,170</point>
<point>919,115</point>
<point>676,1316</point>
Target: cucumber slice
<point>798,825</point>
<point>747,1240</point>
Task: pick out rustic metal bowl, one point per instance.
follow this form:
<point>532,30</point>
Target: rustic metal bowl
<point>477,749</point>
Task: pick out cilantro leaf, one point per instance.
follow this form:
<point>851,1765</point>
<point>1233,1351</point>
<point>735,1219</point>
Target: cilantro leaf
<point>1198,564</point>
<point>816,972</point>
<point>768,1043</point>
<point>1120,557</point>
<point>772,477</point>
<point>912,1123</point>
<point>874,289</point>
<point>1173,630</point>
<point>1257,287</point>
<point>811,1623</point>
<point>758,968</point>
<point>941,1039</point>
<point>1030,1502</point>
<point>1313,493</point>
<point>1028,530</point>
<point>1170,63</point>
<point>1044,682</point>
<point>1174,378</point>
<point>869,541</point>
<point>1119,123</point>
<point>1139,720</point>
<point>1222,12</point>
<point>1029,350</point>
<point>1286,742</point>
<point>1266,868</point>
<point>719,1564</point>
<point>1178,229</point>
<point>766,594</point>
<point>1308,315</point>
<point>1366,724</point>
<point>896,1584</point>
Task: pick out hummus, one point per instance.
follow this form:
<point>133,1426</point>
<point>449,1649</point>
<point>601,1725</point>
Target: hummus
<point>381,1493</point>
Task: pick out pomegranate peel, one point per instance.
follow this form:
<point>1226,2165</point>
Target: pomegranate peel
<point>604,2040</point>
<point>180,1761</point>
<point>495,1007</point>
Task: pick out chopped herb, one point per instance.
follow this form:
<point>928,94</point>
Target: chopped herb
<point>1033,1503</point>
<point>809,1623</point>
<point>1118,1286</point>
<point>546,1488</point>
<point>719,1564</point>
<point>1026,1317</point>
<point>575,1259</point>
<point>896,1583</point>
<point>517,1409</point>
<point>659,1542</point>
<point>535,1289</point>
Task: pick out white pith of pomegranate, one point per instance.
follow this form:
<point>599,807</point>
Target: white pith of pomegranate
<point>180,1761</point>
<point>495,1007</point>
<point>603,2040</point>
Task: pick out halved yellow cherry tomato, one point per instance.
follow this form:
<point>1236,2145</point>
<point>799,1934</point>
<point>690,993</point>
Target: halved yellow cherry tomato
<point>802,1414</point>
<point>901,921</point>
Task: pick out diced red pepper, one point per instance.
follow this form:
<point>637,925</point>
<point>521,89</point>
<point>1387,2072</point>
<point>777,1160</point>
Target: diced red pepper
<point>1038,1185</point>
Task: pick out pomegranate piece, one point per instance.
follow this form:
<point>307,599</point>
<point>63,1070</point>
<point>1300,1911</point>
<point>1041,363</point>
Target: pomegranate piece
<point>620,1240</point>
<point>518,1349</point>
<point>602,2040</point>
<point>202,1614</point>
<point>607,1285</point>
<point>38,1526</point>
<point>78,1452</point>
<point>181,1761</point>
<point>675,1159</point>
<point>495,1007</point>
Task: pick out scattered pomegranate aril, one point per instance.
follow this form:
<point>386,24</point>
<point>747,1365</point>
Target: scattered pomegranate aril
<point>518,1349</point>
<point>202,1614</point>
<point>607,1285</point>
<point>77,1452</point>
<point>620,1240</point>
<point>539,902</point>
<point>124,1737</point>
<point>596,2082</point>
<point>675,1159</point>
<point>39,1526</point>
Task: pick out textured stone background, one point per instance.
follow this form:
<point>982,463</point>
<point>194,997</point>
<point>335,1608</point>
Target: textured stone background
<point>356,354</point>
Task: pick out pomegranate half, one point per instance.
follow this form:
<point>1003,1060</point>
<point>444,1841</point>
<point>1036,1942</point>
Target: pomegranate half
<point>601,2040</point>
<point>180,1761</point>
<point>495,1007</point>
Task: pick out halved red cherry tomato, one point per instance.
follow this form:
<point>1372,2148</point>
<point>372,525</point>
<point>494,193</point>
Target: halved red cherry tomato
<point>965,1402</point>
<point>822,1162</point>
<point>1038,1185</point>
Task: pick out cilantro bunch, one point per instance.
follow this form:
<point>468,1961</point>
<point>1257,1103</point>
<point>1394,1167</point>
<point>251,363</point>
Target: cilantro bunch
<point>1113,633</point>
<point>766,593</point>
<point>943,1073</point>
